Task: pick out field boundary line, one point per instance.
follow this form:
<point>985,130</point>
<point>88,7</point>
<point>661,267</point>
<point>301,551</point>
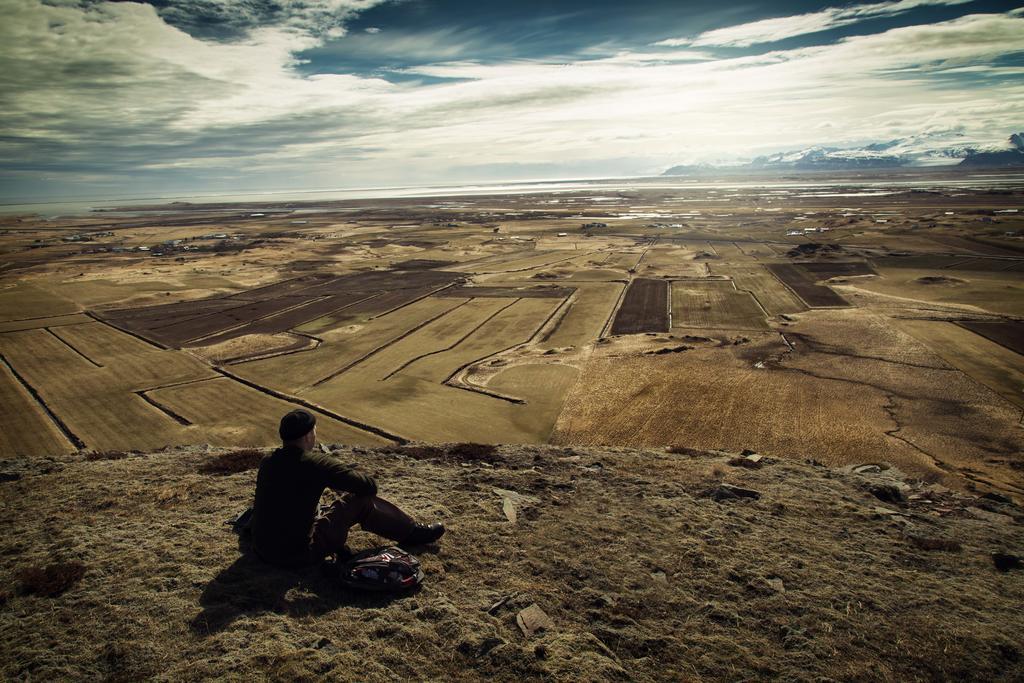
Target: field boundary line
<point>494,257</point>
<point>151,342</point>
<point>668,300</point>
<point>465,385</point>
<point>239,360</point>
<point>741,250</point>
<point>313,406</point>
<point>752,296</point>
<point>294,328</point>
<point>72,438</point>
<point>380,348</point>
<point>68,344</point>
<point>339,308</point>
<point>208,314</point>
<point>43,317</point>
<point>790,289</point>
<point>162,408</point>
<point>564,308</point>
<point>461,339</point>
<point>247,292</point>
<point>42,327</point>
<point>959,323</point>
<point>650,245</point>
<point>522,270</point>
<point>486,392</point>
<point>177,384</point>
<point>615,310</point>
<point>412,301</point>
<point>243,325</point>
<point>194,317</point>
<point>953,266</point>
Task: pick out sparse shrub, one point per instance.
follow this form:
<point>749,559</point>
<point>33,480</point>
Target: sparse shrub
<point>460,452</point>
<point>476,451</point>
<point>685,450</point>
<point>929,543</point>
<point>106,455</point>
<point>51,580</point>
<point>232,463</point>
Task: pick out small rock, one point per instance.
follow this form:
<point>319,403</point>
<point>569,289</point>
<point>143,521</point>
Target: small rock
<point>509,508</point>
<point>776,585</point>
<point>1004,562</point>
<point>659,577</point>
<point>493,609</point>
<point>724,492</point>
<point>512,502</point>
<point>748,463</point>
<point>487,645</point>
<point>887,493</point>
<point>325,645</point>
<point>532,620</point>
<point>888,512</point>
<point>998,498</point>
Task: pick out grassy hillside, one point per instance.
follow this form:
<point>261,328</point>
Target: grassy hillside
<point>120,566</point>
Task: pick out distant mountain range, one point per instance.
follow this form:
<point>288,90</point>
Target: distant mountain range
<point>921,150</point>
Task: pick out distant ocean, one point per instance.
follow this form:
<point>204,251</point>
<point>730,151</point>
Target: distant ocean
<point>819,182</point>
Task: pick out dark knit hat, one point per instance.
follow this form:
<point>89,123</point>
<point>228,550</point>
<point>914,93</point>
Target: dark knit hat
<point>296,425</point>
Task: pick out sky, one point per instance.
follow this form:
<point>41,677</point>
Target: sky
<point>121,99</point>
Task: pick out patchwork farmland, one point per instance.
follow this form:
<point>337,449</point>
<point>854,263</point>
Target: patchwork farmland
<point>803,284</point>
<point>499,319</point>
<point>715,304</point>
<point>644,308</point>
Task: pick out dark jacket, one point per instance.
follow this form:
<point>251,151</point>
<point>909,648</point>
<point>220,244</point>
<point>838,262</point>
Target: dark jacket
<point>288,489</point>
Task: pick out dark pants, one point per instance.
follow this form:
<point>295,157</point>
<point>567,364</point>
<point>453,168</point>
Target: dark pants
<point>373,514</point>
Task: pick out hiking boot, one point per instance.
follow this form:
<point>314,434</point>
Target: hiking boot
<point>422,534</point>
<point>330,565</point>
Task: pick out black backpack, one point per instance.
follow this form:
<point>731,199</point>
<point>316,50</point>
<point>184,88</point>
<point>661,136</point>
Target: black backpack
<point>387,568</point>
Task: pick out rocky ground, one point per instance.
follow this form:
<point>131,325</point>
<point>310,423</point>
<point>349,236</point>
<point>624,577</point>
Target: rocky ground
<point>637,565</point>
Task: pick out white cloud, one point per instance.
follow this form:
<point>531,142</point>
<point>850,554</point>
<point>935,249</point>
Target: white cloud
<point>116,90</point>
<point>231,19</point>
<point>780,28</point>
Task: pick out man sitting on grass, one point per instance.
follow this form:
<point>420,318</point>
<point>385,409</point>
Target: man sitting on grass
<point>285,528</point>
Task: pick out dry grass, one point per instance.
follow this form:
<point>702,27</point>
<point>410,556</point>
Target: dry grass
<point>642,578</point>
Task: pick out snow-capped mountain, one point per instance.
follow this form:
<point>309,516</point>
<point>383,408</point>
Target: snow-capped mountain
<point>829,158</point>
<point>1012,155</point>
<point>926,149</point>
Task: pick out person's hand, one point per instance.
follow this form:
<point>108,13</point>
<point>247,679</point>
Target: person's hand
<point>367,486</point>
